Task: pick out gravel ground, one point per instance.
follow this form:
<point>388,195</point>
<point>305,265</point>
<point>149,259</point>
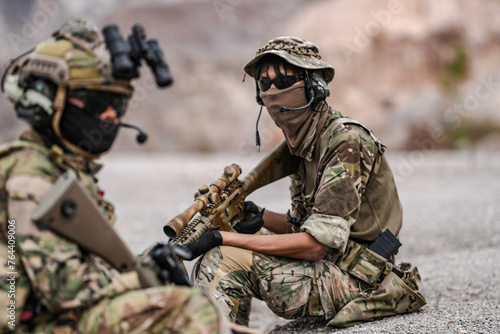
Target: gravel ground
<point>451,229</point>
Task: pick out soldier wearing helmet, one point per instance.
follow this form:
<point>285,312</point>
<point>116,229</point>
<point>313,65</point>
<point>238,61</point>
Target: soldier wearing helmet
<point>324,257</point>
<point>65,90</point>
<point>61,86</point>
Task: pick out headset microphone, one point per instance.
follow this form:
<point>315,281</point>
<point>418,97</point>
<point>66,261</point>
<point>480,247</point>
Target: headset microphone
<point>141,136</point>
<point>311,92</point>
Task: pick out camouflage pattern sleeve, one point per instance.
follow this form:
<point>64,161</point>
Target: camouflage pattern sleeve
<point>61,276</point>
<point>349,155</point>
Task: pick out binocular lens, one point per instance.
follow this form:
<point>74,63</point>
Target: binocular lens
<point>123,67</point>
<point>126,55</point>
<point>163,77</point>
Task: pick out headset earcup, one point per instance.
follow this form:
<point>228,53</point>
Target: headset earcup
<point>320,87</point>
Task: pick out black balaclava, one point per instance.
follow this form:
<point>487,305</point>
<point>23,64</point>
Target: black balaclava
<point>83,129</point>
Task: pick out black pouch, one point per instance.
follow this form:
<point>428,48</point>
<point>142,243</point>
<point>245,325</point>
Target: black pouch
<point>385,245</point>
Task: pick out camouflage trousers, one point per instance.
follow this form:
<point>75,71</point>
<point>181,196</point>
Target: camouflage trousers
<point>291,288</point>
<point>155,310</point>
<point>296,289</point>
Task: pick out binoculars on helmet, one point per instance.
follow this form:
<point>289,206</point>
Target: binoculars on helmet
<point>126,55</point>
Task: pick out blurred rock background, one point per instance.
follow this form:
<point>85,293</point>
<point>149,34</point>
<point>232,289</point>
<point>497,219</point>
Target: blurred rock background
<point>423,74</point>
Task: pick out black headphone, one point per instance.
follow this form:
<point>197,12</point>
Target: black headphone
<point>319,86</point>
<point>316,90</point>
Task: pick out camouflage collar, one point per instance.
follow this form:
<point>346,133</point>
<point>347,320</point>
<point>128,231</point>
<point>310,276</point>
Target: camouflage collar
<point>61,158</point>
<point>32,136</point>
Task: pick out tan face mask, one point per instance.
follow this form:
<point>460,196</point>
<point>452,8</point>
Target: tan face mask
<point>299,127</point>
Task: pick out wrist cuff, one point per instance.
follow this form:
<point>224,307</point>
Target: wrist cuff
<point>217,238</point>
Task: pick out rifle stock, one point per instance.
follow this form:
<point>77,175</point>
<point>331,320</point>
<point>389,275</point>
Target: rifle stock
<point>276,165</point>
<point>222,205</point>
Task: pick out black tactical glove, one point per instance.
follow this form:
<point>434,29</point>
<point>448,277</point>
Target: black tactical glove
<point>168,267</point>
<point>207,241</point>
<point>253,221</point>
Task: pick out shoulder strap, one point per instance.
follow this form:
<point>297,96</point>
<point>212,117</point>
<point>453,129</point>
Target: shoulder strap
<point>381,147</point>
<point>347,120</point>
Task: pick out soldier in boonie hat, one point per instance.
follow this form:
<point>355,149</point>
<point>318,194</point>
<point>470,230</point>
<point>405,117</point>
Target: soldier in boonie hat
<point>325,265</point>
<point>300,85</point>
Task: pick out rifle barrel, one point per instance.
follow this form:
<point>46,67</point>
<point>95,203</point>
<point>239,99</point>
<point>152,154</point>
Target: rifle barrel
<point>276,165</point>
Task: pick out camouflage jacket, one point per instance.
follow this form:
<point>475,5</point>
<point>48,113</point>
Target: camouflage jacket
<point>54,272</point>
<point>344,188</point>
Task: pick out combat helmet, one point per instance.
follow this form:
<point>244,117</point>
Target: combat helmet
<point>73,59</point>
<point>296,51</point>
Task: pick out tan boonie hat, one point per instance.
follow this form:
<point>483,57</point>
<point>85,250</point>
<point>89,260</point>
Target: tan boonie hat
<point>297,52</point>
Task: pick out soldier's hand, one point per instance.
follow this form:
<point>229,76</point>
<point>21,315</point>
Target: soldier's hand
<point>253,221</point>
<point>207,241</point>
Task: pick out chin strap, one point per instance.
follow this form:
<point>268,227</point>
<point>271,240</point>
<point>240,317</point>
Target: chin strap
<point>59,99</point>
<point>59,102</point>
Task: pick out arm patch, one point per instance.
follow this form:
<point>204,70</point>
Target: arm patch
<point>339,198</point>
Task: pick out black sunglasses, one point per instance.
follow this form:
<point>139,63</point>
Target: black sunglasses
<point>98,102</point>
<point>280,82</point>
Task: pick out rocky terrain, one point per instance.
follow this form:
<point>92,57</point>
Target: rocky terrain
<point>417,72</point>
